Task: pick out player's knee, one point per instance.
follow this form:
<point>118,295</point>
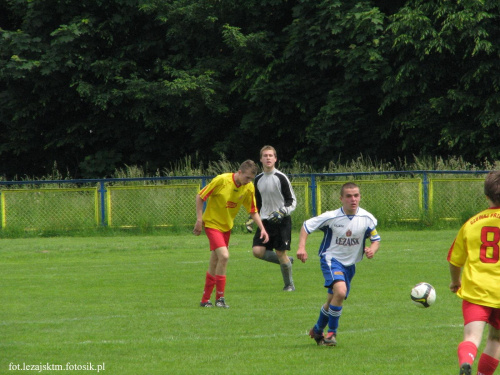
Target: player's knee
<point>282,255</point>
<point>224,258</point>
<point>258,252</point>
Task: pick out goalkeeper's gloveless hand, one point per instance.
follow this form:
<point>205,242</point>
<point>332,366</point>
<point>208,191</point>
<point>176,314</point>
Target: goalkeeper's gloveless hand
<point>276,216</point>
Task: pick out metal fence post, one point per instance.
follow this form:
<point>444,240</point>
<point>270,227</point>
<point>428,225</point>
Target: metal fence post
<point>425,183</point>
<point>313,195</point>
<point>102,192</point>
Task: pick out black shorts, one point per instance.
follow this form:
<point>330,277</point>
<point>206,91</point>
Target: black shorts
<point>280,235</point>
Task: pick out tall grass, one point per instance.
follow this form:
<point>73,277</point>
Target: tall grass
<point>191,166</point>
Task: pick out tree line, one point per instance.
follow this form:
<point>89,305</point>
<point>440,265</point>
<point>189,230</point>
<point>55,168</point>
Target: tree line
<point>94,86</point>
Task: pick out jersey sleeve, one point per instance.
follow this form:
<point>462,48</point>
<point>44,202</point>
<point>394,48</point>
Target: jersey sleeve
<point>212,187</point>
<point>258,196</point>
<point>373,234</point>
<point>317,222</point>
<point>290,202</point>
<point>457,255</point>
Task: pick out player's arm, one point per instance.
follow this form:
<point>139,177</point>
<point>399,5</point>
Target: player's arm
<point>198,226</point>
<point>290,202</point>
<point>258,197</point>
<point>374,237</point>
<point>455,278</point>
<point>288,196</point>
<point>256,218</point>
<point>301,251</point>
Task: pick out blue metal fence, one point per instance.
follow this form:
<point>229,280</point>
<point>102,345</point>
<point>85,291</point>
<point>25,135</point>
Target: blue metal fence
<point>313,180</point>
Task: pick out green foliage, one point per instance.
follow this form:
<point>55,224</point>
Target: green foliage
<point>101,85</point>
<point>456,99</point>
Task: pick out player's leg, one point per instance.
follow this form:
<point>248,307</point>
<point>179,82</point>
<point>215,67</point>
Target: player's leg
<point>261,250</point>
<point>282,241</point>
<point>219,256</point>
<point>286,270</point>
<point>340,277</point>
<point>218,260</point>
<point>316,332</point>
<point>488,362</point>
<point>475,318</point>
<point>335,311</point>
<point>222,254</point>
<point>210,281</point>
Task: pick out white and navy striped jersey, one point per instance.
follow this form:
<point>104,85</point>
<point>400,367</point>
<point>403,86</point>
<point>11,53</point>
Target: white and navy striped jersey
<point>273,191</point>
<point>344,235</point>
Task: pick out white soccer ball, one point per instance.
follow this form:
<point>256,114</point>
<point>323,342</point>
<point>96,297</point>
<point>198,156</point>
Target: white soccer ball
<point>423,295</point>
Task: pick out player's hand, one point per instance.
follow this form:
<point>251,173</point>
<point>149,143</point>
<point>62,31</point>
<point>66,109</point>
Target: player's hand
<point>369,252</point>
<point>264,235</point>
<point>302,255</point>
<point>198,227</point>
<point>276,216</point>
<point>454,287</point>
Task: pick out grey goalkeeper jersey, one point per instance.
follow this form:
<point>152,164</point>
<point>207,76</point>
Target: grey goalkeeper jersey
<point>273,191</point>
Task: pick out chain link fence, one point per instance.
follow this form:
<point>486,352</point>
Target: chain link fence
<point>150,206</point>
<point>389,200</point>
<point>170,202</point>
<point>44,209</point>
<point>456,199</point>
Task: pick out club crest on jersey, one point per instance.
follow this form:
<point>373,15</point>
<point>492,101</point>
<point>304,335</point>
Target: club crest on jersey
<point>348,233</point>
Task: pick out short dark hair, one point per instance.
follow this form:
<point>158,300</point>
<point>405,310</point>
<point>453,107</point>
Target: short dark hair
<point>492,187</point>
<point>347,185</point>
<point>250,166</point>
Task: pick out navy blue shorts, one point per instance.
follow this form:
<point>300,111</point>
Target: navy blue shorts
<point>335,271</point>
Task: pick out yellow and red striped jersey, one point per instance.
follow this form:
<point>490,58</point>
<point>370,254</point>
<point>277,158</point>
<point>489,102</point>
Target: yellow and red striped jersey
<point>225,198</point>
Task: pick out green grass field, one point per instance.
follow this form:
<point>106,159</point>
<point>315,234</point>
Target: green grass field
<point>132,304</point>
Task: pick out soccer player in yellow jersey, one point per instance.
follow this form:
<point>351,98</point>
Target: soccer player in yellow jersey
<point>474,259</point>
<point>226,193</point>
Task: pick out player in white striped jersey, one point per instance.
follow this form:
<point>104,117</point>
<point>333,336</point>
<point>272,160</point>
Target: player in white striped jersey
<point>345,233</point>
<point>275,201</point>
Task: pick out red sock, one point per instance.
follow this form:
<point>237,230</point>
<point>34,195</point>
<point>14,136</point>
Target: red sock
<point>220,281</point>
<point>487,365</point>
<point>209,287</point>
<point>466,352</point>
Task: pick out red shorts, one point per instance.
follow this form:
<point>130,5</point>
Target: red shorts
<point>478,313</point>
<point>217,239</point>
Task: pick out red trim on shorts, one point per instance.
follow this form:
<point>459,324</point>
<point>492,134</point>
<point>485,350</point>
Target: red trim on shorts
<point>217,239</point>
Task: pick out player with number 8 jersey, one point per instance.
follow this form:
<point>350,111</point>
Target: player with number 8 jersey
<point>474,261</point>
<point>476,249</point>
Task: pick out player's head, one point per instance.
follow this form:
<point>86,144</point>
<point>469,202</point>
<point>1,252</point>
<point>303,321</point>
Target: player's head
<point>246,172</point>
<point>348,185</point>
<point>268,158</point>
<point>492,187</point>
<point>268,148</point>
<point>350,197</point>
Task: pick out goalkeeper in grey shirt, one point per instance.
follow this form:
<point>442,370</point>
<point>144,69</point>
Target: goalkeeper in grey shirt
<point>275,201</point>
